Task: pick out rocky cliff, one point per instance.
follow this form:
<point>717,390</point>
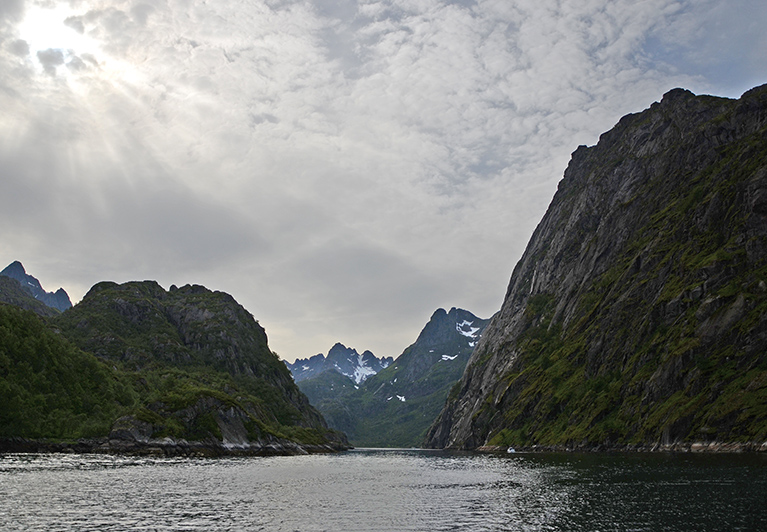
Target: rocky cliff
<point>636,316</point>
<point>141,324</point>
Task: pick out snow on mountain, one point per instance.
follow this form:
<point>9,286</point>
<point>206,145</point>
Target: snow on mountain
<point>465,328</point>
<point>341,359</point>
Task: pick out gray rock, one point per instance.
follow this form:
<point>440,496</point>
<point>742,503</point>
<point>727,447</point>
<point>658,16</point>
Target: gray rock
<point>647,272</point>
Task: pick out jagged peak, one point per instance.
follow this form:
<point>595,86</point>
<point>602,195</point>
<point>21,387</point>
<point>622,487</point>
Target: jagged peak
<point>58,300</point>
<point>14,268</point>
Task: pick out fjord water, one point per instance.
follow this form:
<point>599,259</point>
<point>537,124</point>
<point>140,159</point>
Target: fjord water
<point>385,490</point>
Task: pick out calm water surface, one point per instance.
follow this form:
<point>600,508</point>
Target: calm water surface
<point>385,490</point>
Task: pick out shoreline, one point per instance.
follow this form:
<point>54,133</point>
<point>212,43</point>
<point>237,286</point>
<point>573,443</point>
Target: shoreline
<point>676,447</point>
<point>165,447</point>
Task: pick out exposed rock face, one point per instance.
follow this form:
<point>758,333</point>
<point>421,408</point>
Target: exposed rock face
<point>341,359</point>
<point>448,339</point>
<point>219,428</point>
<point>636,315</point>
<point>58,300</point>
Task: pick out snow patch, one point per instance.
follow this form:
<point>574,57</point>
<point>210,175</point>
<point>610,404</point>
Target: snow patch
<point>471,333</point>
<point>363,371</point>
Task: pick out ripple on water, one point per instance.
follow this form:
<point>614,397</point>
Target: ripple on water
<point>378,491</point>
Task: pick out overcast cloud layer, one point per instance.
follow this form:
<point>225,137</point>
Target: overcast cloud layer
<point>342,168</point>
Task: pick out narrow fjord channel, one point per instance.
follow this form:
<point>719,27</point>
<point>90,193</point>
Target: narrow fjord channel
<point>385,490</point>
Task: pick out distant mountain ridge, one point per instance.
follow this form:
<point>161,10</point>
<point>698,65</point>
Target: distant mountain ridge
<point>12,293</point>
<point>344,360</point>
<point>394,407</point>
<point>58,300</point>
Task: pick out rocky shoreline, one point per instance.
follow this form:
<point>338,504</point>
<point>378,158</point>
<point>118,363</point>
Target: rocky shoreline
<point>166,447</point>
<point>676,447</point>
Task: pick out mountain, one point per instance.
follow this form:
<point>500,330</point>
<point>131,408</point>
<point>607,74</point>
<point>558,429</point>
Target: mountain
<point>341,359</point>
<point>192,374</point>
<point>58,300</point>
<point>12,293</point>
<point>637,315</point>
<point>394,407</point>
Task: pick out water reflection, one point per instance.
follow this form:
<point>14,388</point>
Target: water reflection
<point>375,490</point>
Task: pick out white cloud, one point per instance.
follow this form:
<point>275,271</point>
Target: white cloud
<point>341,168</point>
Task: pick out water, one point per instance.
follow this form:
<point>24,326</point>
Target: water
<point>377,490</point>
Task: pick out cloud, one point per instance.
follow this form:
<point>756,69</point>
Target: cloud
<point>11,11</point>
<point>704,38</point>
<point>50,59</point>
<point>342,168</point>
<point>18,47</point>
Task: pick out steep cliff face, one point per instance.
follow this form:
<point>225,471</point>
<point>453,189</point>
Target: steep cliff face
<point>12,293</point>
<point>636,315</point>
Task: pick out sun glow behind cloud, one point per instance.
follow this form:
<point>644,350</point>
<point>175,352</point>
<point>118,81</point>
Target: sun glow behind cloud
<point>57,41</point>
<point>54,40</point>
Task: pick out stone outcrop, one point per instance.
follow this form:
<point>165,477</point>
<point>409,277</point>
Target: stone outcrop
<point>636,315</point>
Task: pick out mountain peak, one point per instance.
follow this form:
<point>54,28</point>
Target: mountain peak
<point>58,300</point>
<point>14,268</point>
<point>341,359</point>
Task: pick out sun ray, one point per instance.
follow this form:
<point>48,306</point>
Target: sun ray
<point>54,40</point>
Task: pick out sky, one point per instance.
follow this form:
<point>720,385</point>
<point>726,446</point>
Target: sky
<point>342,168</point>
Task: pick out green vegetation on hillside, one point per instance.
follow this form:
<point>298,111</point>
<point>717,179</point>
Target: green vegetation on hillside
<point>51,389</point>
<point>138,362</point>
